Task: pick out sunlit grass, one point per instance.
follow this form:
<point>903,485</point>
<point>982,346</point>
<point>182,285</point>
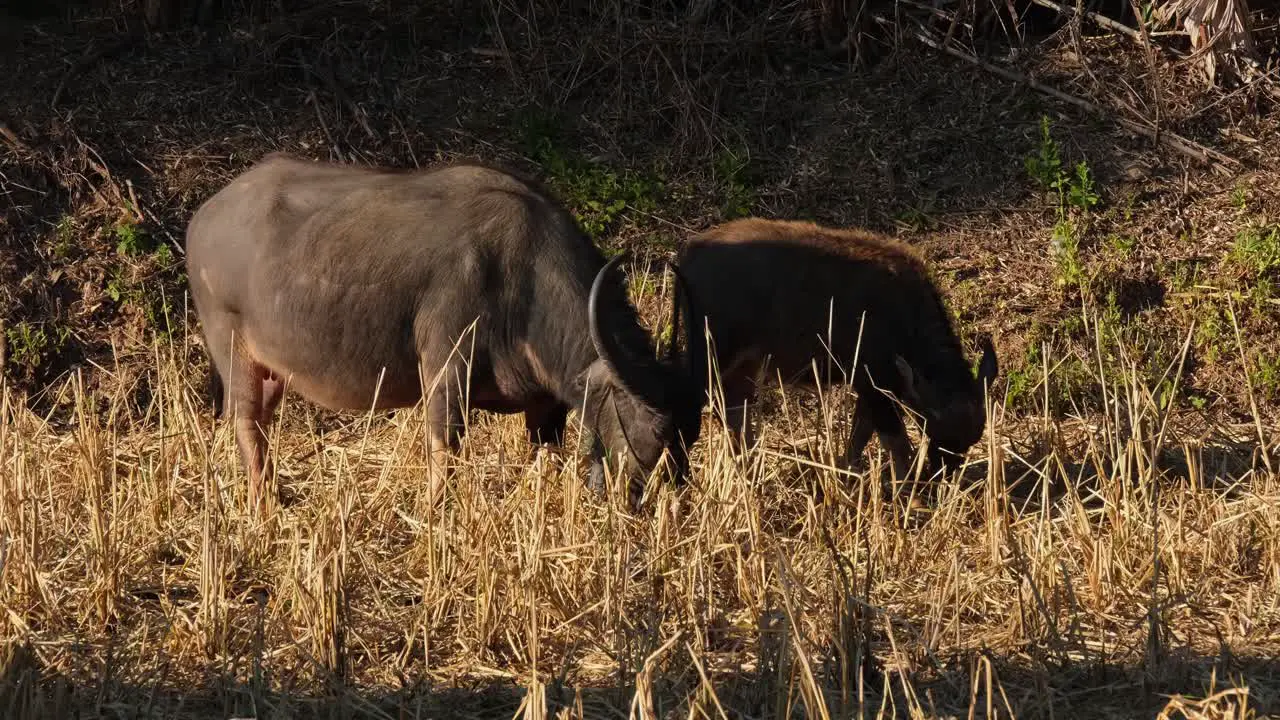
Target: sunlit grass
<point>1089,567</point>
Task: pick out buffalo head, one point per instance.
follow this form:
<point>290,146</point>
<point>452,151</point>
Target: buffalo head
<point>641,411</point>
<point>953,407</point>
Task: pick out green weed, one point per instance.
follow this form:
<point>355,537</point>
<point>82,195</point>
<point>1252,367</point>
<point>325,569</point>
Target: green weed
<point>152,305</point>
<point>163,255</point>
<point>131,240</point>
<point>729,169</point>
<point>1066,251</point>
<point>597,195</point>
<point>1073,191</point>
<point>1257,249</point>
<point>1211,332</point>
<point>1072,325</point>
<point>1080,189</point>
<point>1240,197</point>
<point>64,234</point>
<point>1130,200</point>
<point>918,217</point>
<point>1023,379</point>
<point>1261,294</point>
<point>1122,245</point>
<point>1045,167</point>
<point>1265,375</point>
<point>1182,275</point>
<point>30,344</point>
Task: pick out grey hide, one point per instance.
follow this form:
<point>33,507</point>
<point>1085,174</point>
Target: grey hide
<point>342,282</point>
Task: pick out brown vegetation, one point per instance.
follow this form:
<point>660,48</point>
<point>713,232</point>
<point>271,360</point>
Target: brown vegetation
<point>1114,550</point>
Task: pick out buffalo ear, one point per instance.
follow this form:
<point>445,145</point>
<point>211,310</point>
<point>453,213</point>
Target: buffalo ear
<point>988,366</point>
<point>908,377</point>
<point>695,342</point>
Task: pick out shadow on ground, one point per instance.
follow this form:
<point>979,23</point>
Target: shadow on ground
<point>1042,682</point>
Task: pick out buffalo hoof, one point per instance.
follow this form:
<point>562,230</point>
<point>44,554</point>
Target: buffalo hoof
<point>595,478</point>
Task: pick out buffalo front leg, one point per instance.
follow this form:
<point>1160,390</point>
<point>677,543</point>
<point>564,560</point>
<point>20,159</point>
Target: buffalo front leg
<point>863,428</point>
<point>545,420</point>
<point>877,412</point>
<point>444,427</point>
<point>739,392</point>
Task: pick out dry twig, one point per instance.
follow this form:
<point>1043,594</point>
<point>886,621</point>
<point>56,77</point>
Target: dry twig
<point>1183,145</point>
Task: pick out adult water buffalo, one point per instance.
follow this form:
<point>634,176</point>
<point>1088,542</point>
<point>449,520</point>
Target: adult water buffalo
<point>787,296</point>
<point>360,287</point>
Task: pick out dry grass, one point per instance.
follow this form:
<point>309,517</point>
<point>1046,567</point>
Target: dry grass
<point>1102,558</point>
<point>1120,576</point>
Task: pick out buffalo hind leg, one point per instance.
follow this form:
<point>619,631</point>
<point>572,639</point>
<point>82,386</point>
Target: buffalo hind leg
<point>253,394</point>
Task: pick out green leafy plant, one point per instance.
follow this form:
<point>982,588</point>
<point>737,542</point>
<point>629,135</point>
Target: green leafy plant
<point>1211,332</point>
<point>1066,251</point>
<point>596,194</point>
<point>1024,378</point>
<point>1257,249</point>
<point>131,240</point>
<point>30,344</point>
<point>729,169</point>
<point>65,235</point>
<point>1080,190</point>
<point>1073,191</point>
<point>1240,197</point>
<point>1121,244</point>
<point>163,255</point>
<point>1265,375</point>
<point>1045,167</point>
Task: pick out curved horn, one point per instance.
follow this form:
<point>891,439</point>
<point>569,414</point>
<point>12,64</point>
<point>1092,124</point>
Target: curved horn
<point>606,343</point>
<point>988,366</point>
<point>695,338</point>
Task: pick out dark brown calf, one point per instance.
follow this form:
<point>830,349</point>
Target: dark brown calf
<point>795,298</point>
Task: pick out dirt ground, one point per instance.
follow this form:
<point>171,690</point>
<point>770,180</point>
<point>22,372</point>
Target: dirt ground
<point>101,146</point>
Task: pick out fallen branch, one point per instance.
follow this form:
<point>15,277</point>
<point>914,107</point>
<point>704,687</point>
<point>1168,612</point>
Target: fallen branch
<point>1190,148</point>
<point>12,138</point>
<point>315,103</point>
<point>330,78</point>
<point>1101,20</point>
<point>91,58</point>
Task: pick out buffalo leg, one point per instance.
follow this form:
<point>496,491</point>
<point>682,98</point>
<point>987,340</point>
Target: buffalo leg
<point>863,428</point>
<point>739,391</point>
<point>250,393</point>
<point>252,403</point>
<point>272,393</point>
<point>887,421</point>
<point>444,424</point>
<point>943,462</point>
<point>545,422</point>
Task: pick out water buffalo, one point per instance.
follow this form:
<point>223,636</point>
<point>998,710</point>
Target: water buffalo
<point>790,297</point>
<point>360,287</point>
